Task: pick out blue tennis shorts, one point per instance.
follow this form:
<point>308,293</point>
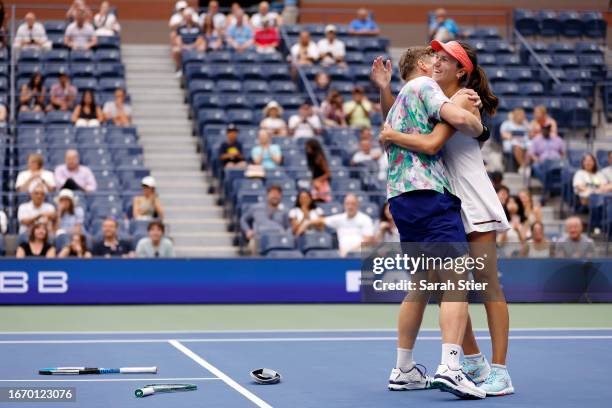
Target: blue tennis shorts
<point>427,216</point>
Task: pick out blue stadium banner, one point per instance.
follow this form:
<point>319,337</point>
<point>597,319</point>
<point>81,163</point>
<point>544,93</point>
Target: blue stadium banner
<point>249,280</point>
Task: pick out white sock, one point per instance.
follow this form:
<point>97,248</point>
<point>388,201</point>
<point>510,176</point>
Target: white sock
<point>503,367</point>
<point>474,358</point>
<point>404,359</point>
<point>451,353</point>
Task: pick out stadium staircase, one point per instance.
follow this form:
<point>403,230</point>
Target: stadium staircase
<point>194,221</point>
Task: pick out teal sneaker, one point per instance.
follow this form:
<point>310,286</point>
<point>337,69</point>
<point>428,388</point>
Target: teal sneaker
<point>498,382</point>
<point>478,369</point>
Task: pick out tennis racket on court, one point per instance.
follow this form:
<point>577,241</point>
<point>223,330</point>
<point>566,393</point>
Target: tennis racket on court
<point>160,388</point>
<point>94,370</point>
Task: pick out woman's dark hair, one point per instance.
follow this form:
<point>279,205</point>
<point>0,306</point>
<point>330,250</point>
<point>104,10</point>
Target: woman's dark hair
<point>520,209</point>
<point>314,154</point>
<point>93,99</point>
<point>383,212</point>
<point>479,82</point>
<point>70,209</point>
<point>32,82</point>
<point>82,240</point>
<point>594,162</point>
<point>157,224</point>
<point>312,205</point>
<point>208,24</point>
<point>32,237</point>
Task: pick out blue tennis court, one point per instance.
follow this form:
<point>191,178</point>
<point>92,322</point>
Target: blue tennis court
<point>347,367</point>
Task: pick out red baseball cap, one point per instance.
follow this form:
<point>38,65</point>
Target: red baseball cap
<point>454,49</point>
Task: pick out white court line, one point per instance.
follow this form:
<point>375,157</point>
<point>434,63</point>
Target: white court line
<point>118,379</point>
<point>214,370</point>
<point>293,339</point>
<point>118,332</point>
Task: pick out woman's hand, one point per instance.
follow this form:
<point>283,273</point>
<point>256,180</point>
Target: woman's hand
<point>472,96</point>
<point>386,134</point>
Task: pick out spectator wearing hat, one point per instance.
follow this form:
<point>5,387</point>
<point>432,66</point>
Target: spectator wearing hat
<point>80,34</point>
<point>363,24</point>
<point>70,216</point>
<point>36,210</point>
<point>441,27</point>
<point>111,245</point>
<point>239,36</point>
<point>38,243</point>
<point>147,206</point>
<point>305,51</point>
<point>265,153</point>
<point>62,94</point>
<point>217,18</point>
<point>31,35</point>
<point>73,175</point>
<point>76,248</point>
<point>264,13</point>
<point>105,21</point>
<point>178,17</point>
<point>273,121</point>
<point>230,151</point>
<point>357,111</point>
<point>268,216</point>
<point>118,111</point>
<point>156,245</point>
<point>266,37</point>
<point>35,173</point>
<point>188,37</point>
<point>331,49</point>
<point>305,123</point>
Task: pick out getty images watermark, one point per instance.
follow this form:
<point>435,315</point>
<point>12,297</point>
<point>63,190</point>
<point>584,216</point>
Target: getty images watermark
<point>394,272</point>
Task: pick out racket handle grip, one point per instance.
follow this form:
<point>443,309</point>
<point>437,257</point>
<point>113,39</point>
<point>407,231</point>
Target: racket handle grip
<point>138,370</point>
<point>143,392</point>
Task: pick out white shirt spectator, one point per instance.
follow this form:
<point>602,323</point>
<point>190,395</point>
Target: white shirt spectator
<point>110,109</point>
<point>312,51</point>
<point>351,231</point>
<point>46,176</point>
<point>219,20</point>
<point>297,214</point>
<point>3,222</point>
<point>304,128</point>
<point>273,124</point>
<point>383,166</point>
<point>106,24</point>
<point>336,49</point>
<point>256,19</point>
<point>37,33</point>
<point>361,157</point>
<point>28,210</point>
<point>80,35</point>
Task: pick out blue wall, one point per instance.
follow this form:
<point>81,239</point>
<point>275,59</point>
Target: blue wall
<point>106,281</point>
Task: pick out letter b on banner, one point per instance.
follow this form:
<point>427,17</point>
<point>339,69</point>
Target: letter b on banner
<point>52,282</point>
<point>13,282</point>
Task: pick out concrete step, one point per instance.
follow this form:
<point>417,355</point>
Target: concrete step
<point>173,177</point>
<point>212,240</point>
<point>167,141</point>
<point>197,227</point>
<point>180,149</point>
<point>182,190</point>
<point>180,182</point>
<point>148,128</point>
<point>207,252</point>
<point>152,100</point>
<point>159,93</point>
<point>190,199</point>
<point>176,212</point>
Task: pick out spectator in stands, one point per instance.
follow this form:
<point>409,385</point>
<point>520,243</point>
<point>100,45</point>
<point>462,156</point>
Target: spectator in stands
<point>77,7</point>
<point>386,230</point>
<point>237,13</point>
<point>264,13</point>
<point>38,244</point>
<point>88,113</point>
<point>230,151</point>
<point>76,248</point>
<point>147,206</point>
<point>574,244</point>
<point>32,95</point>
<point>212,35</point>
<point>178,18</point>
<point>273,121</point>
<point>606,172</point>
<point>363,24</point>
<point>217,18</point>
<point>105,21</point>
<point>3,113</point>
<point>239,36</point>
<point>542,122</point>
<point>366,155</point>
<point>3,222</point>
<point>265,153</point>
<point>322,82</point>
<point>545,147</point>
<point>305,123</point>
<point>503,193</point>
<point>31,35</point>
<point>156,245</point>
<point>70,216</point>
<point>533,212</point>
<point>515,134</point>
<point>266,38</point>
<point>188,37</point>
<point>118,111</point>
<point>332,110</point>
<point>588,181</point>
<point>80,34</point>
<point>357,111</point>
<point>353,227</point>
<point>34,174</point>
<point>305,210</point>
<point>36,210</point>
<point>511,241</point>
<point>63,94</point>
<point>73,175</point>
<point>331,49</point>
<point>319,167</point>
<point>305,51</point>
<point>383,164</point>
<point>269,216</point>
<point>441,27</point>
<point>538,246</point>
<point>111,245</point>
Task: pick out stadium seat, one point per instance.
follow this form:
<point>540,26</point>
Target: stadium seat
<point>229,86</point>
<point>58,117</point>
<point>256,87</point>
<point>108,42</point>
<point>571,23</point>
<point>526,22</point>
<point>269,242</point>
<point>314,241</point>
<point>549,23</point>
<point>568,89</point>
<point>531,88</point>
<point>577,113</point>
<point>240,116</point>
<point>594,25</point>
<point>284,253</point>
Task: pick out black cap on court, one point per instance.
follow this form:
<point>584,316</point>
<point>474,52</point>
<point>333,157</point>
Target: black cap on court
<point>265,376</point>
<point>231,127</point>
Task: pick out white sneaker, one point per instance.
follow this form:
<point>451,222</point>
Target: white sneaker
<point>414,379</point>
<point>178,74</point>
<point>456,382</point>
<point>478,371</point>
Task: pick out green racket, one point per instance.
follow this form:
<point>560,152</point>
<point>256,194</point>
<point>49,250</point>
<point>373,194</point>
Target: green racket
<point>158,388</point>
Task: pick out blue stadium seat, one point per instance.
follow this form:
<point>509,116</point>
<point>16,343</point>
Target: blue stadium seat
<point>252,71</point>
<point>568,89</point>
<point>578,112</point>
<point>277,72</point>
<point>571,23</point>
<point>219,57</point>
<point>588,47</point>
<point>240,116</point>
<point>520,74</point>
<point>30,118</point>
<point>311,241</point>
<point>110,84</point>
<point>290,101</point>
<point>200,86</point>
<point>498,46</point>
<point>487,32</point>
<point>234,102</point>
<point>209,116</point>
<point>371,209</point>
<point>354,57</point>
<point>197,71</point>
<point>339,73</point>
<point>55,26</point>
<point>58,117</point>
<point>55,56</point>
<point>592,61</point>
<point>283,87</point>
<point>323,253</point>
<point>85,83</point>
<point>518,102</point>
<point>29,55</point>
<point>526,22</point>
<point>531,88</point>
<point>54,70</point>
<point>80,56</point>
<point>594,25</point>
<point>271,58</point>
<point>107,55</point>
<point>108,42</point>
<point>602,158</point>
<point>506,59</point>
<point>487,59</point>
<point>549,23</point>
<point>565,61</point>
<point>284,253</point>
<point>26,70</point>
<point>225,71</point>
<point>562,48</point>
<point>496,74</point>
<point>506,88</point>
<point>82,70</point>
<point>256,87</point>
<point>269,242</point>
<point>229,86</point>
<point>107,69</point>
